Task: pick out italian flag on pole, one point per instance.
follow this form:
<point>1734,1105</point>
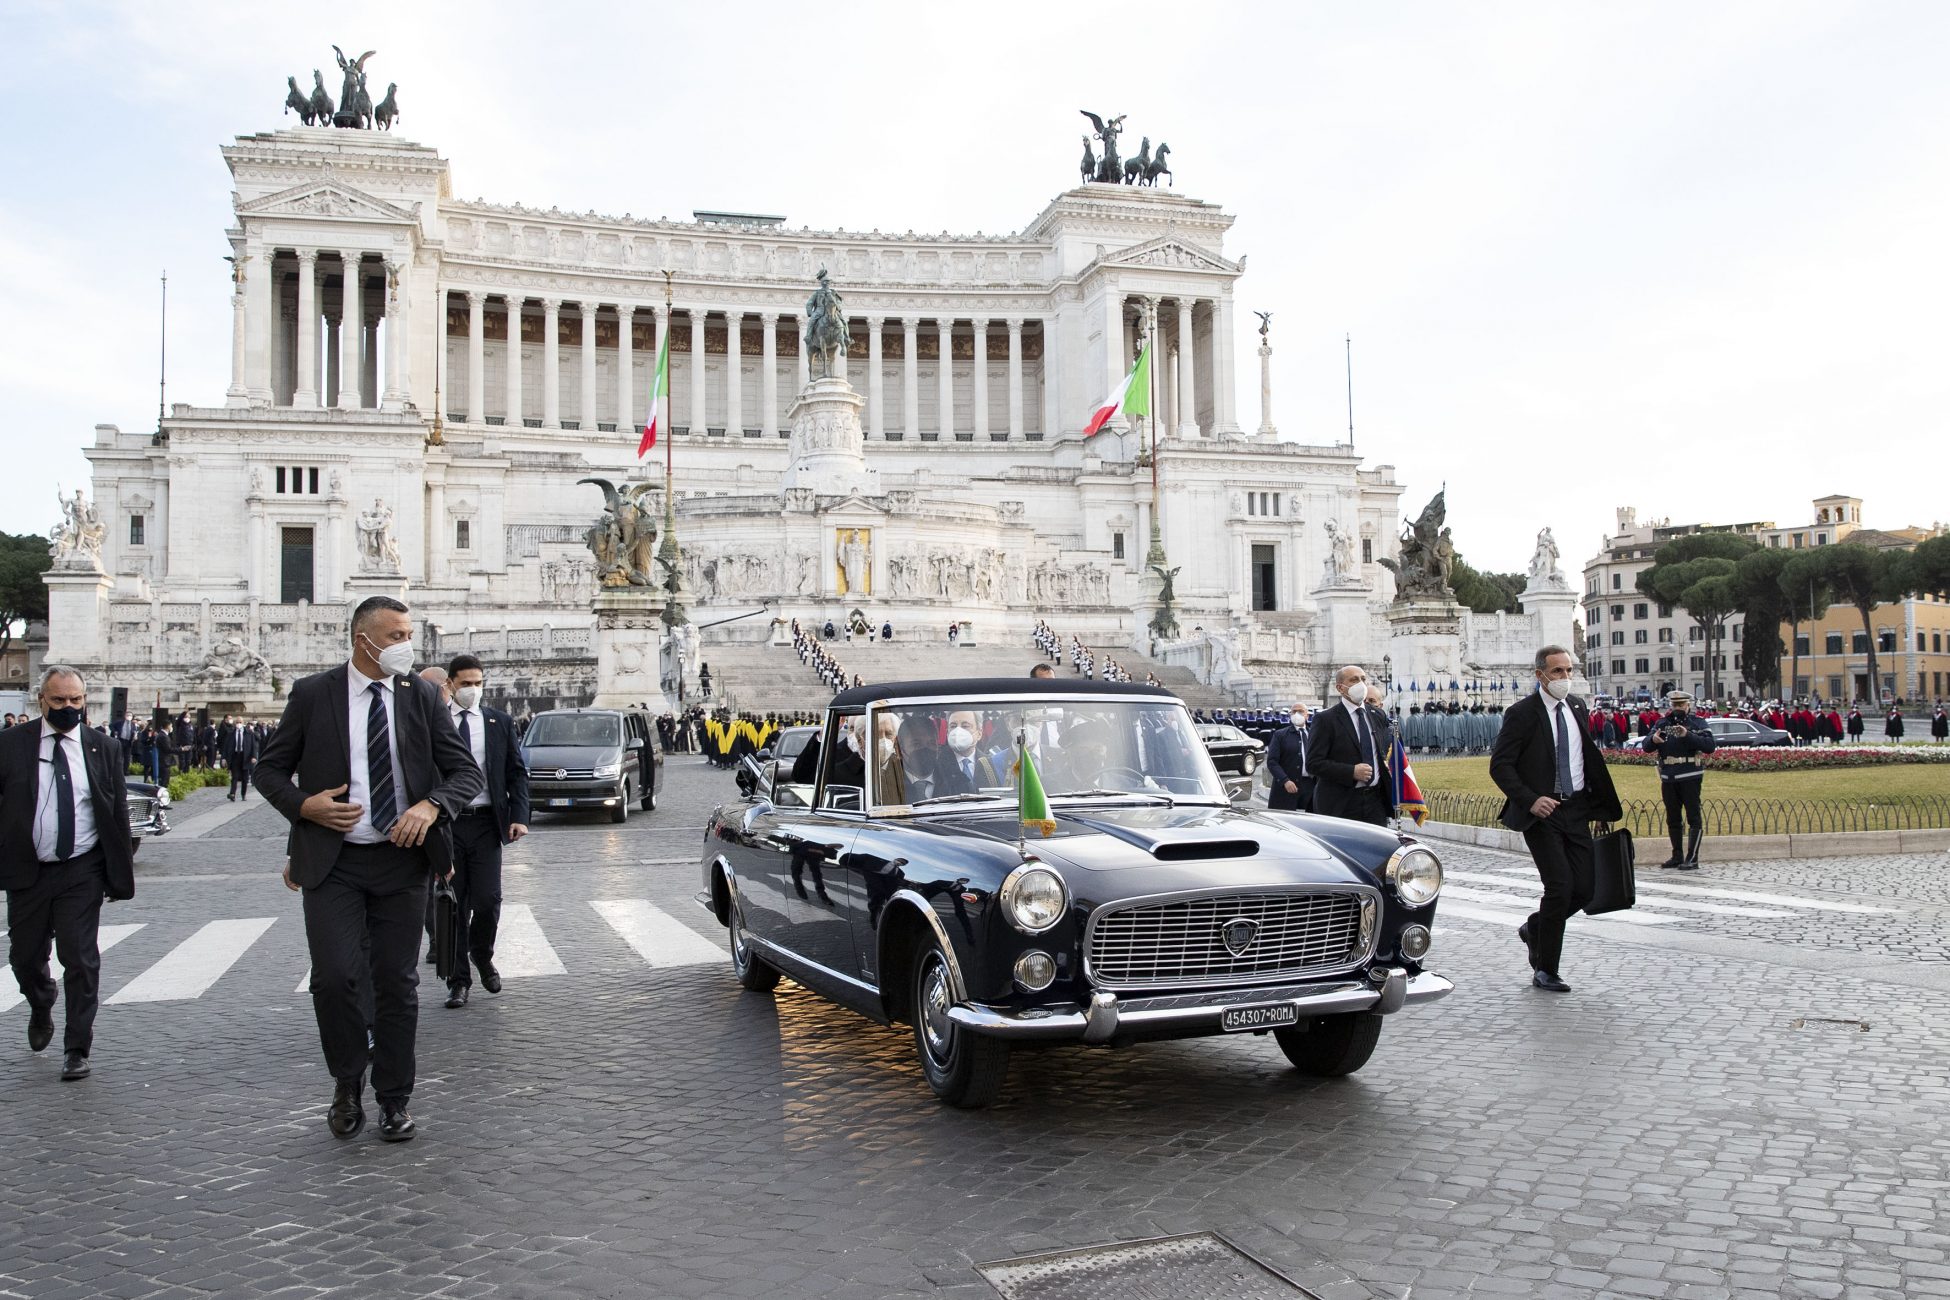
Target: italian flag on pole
<point>659,390</point>
<point>1132,397</point>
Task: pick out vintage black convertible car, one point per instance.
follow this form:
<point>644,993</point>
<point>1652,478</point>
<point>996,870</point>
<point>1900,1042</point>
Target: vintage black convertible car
<point>908,889</point>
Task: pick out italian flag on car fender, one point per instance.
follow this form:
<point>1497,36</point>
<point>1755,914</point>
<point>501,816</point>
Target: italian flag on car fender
<point>1132,397</point>
<point>1030,799</point>
<point>659,389</point>
<point>1408,795</point>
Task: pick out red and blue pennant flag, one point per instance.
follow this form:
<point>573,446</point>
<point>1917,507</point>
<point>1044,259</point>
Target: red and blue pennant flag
<point>1408,794</point>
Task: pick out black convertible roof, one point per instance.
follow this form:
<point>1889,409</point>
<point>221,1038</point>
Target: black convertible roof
<point>976,687</point>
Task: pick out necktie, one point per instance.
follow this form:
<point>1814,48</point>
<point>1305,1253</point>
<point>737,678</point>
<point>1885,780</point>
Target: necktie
<point>968,769</point>
<point>64,803</point>
<point>1367,745</point>
<point>379,763</point>
<point>1563,753</point>
<point>1303,752</point>
<point>466,733</point>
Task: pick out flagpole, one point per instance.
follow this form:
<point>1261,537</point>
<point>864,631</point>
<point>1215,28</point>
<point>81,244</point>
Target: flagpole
<point>668,553</point>
<point>1156,553</point>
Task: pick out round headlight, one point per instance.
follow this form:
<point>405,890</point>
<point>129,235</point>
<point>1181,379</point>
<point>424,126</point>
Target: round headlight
<point>1035,971</point>
<point>1033,898</point>
<point>1415,941</point>
<point>1416,875</point>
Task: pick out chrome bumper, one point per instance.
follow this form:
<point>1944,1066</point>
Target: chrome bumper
<point>1105,1017</point>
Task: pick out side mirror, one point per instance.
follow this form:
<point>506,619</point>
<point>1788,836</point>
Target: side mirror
<point>765,755</point>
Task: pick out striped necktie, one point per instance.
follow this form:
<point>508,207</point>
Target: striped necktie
<point>379,763</point>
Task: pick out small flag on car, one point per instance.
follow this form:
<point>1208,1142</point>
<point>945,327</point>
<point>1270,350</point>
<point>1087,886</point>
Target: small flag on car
<point>1034,804</point>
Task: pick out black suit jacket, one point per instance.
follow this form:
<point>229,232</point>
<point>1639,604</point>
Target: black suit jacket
<point>311,751</point>
<point>507,775</point>
<point>1523,762</point>
<point>1333,749</point>
<point>1285,758</point>
<point>235,752</point>
<point>108,796</point>
<point>948,778</point>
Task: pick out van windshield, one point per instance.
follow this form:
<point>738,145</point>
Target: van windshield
<point>575,729</point>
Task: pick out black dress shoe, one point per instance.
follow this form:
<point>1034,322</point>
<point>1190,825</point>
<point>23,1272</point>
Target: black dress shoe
<point>1670,862</point>
<point>40,1029</point>
<point>431,959</point>
<point>1686,866</point>
<point>348,1113</point>
<point>456,996</point>
<point>1523,933</point>
<point>1548,981</point>
<point>490,977</point>
<point>395,1125</point>
<point>74,1066</point>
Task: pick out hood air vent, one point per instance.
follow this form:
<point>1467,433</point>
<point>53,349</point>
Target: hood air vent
<point>1204,850</point>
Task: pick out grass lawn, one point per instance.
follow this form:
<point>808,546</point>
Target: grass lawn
<point>1863,784</point>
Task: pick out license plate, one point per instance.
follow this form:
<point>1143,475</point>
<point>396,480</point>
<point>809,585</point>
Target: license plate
<point>561,803</point>
<point>1271,1016</point>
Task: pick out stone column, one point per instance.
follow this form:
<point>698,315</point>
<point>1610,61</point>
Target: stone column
<point>768,388</point>
<point>237,394</point>
<point>1266,429</point>
<point>395,391</point>
<point>369,368</point>
<point>476,357</point>
<point>910,377</point>
<point>1052,391</point>
<point>1224,400</point>
<point>626,417</point>
<point>435,550</point>
<point>1114,360</point>
<point>1015,379</point>
<point>551,363</point>
<point>513,377</point>
<point>330,396</point>
<point>305,394</point>
<point>266,334</point>
<point>981,377</point>
<point>946,330</point>
<point>804,367</point>
<point>352,331</point>
<point>734,373</point>
<point>876,401</point>
<point>586,420</point>
<point>1187,394</point>
<point>254,548</point>
<point>699,417</point>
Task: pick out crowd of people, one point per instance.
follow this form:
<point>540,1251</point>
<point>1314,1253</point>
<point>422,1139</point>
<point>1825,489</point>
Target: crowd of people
<point>821,660</point>
<point>1083,660</point>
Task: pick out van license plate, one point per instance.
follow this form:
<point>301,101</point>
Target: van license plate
<point>1272,1016</point>
<point>561,803</point>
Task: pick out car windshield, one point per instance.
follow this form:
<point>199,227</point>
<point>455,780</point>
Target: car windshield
<point>574,729</point>
<point>1089,748</point>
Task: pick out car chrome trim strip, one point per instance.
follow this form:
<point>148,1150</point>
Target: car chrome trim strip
<point>956,985</point>
<point>1362,956</point>
<point>791,958</point>
<point>1106,1016</point>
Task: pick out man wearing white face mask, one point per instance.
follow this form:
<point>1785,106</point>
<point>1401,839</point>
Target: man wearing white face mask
<point>1286,764</point>
<point>1556,784</point>
<point>958,768</point>
<point>496,816</point>
<point>1346,750</point>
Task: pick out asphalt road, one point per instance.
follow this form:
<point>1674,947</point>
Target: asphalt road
<point>1697,1119</point>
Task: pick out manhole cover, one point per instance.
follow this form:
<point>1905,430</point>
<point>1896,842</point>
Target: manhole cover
<point>1830,1024</point>
<point>1197,1266</point>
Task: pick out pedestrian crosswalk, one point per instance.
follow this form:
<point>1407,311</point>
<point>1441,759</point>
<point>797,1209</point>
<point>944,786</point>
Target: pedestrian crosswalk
<point>1507,896</point>
<point>185,966</point>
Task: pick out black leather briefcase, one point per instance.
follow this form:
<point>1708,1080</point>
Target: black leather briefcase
<point>1614,886</point>
<point>446,926</point>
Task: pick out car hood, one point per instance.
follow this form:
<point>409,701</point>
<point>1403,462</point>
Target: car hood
<point>1200,847</point>
<point>546,758</point>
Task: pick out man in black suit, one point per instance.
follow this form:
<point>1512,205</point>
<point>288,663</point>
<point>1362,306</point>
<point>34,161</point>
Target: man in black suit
<point>237,746</point>
<point>1347,752</point>
<point>1286,765</point>
<point>1555,785</point>
<point>64,844</point>
<point>496,816</point>
<point>368,769</point>
<point>958,768</point>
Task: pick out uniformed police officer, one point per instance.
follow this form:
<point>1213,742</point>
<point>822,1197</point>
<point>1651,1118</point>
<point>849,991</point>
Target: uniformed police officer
<point>1680,739</point>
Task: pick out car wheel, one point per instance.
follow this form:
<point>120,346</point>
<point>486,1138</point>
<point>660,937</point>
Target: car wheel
<point>754,973</point>
<point>965,1069</point>
<point>621,811</point>
<point>1331,1046</point>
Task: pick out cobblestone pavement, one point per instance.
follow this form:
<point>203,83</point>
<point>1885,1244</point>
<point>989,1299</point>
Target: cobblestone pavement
<point>630,1129</point>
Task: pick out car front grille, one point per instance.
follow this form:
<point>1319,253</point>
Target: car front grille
<point>141,809</point>
<point>1183,941</point>
<point>566,774</point>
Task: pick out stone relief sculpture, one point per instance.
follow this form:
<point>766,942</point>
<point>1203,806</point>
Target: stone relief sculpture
<point>1428,556</point>
<point>78,537</point>
<point>624,540</point>
<point>229,661</point>
<point>378,551</point>
<point>1544,573</point>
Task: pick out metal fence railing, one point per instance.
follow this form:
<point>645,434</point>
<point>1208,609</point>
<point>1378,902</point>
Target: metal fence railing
<point>1645,817</point>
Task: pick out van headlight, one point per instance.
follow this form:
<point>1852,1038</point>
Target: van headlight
<point>1034,898</point>
<point>1416,875</point>
<point>608,769</point>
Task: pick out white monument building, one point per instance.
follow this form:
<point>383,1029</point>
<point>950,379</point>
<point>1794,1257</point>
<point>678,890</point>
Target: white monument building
<point>419,382</point>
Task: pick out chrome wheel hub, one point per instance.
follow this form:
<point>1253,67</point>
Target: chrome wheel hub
<point>936,1028</point>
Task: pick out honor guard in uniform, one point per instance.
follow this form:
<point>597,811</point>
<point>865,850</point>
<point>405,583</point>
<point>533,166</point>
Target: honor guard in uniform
<point>1680,739</point>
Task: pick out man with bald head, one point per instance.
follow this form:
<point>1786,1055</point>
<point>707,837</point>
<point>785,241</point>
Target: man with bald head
<point>1347,750</point>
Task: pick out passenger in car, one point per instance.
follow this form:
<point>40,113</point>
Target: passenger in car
<point>959,769</point>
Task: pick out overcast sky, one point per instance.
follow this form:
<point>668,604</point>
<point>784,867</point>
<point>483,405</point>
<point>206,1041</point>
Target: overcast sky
<point>1688,257</point>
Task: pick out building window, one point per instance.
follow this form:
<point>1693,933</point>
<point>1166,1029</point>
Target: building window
<point>1252,503</point>
<point>1920,647</point>
<point>1737,629</point>
<point>1665,636</point>
<point>463,535</point>
<point>1775,541</point>
<point>1800,541</point>
<point>1618,638</point>
<point>1834,688</point>
<point>1367,550</point>
<point>1699,663</point>
<point>1886,642</point>
<point>1117,546</point>
<point>1618,667</point>
<point>1858,643</point>
<point>1640,637</point>
<point>1665,663</point>
<point>1801,643</point>
<point>136,527</point>
<point>1641,665</point>
<point>1693,633</point>
<point>1832,643</point>
<point>280,479</point>
<point>1639,610</point>
<point>1617,582</point>
<point>1665,611</point>
<point>1936,643</point>
<point>297,480</point>
<point>1276,503</point>
<point>1617,612</point>
<point>1821,539</point>
<point>1597,614</point>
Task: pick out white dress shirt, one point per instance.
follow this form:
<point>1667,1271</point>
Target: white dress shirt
<point>47,813</point>
<point>1573,731</point>
<point>477,742</point>
<point>358,702</point>
<point>1360,720</point>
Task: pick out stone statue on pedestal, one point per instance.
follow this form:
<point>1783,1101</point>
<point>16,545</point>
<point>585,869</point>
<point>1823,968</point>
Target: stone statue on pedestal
<point>1544,573</point>
<point>826,333</point>
<point>378,551</point>
<point>1339,568</point>
<point>1164,623</point>
<point>229,661</point>
<point>624,540</point>
<point>78,537</point>
<point>1428,556</point>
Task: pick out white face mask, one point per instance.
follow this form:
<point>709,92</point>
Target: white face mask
<point>886,748</point>
<point>961,739</point>
<point>395,660</point>
<point>851,741</point>
<point>467,697</point>
<point>1297,719</point>
<point>1357,694</point>
<point>1558,688</point>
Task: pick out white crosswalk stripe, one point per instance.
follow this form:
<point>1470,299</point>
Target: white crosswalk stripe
<point>520,948</point>
<point>658,937</point>
<point>1465,894</point>
<point>193,965</point>
<point>1740,895</point>
<point>106,937</point>
<point>1679,904</point>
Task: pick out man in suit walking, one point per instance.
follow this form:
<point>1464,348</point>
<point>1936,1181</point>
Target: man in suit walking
<point>1346,751</point>
<point>237,746</point>
<point>368,769</point>
<point>1286,765</point>
<point>496,816</point>
<point>64,845</point>
<point>1555,785</point>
